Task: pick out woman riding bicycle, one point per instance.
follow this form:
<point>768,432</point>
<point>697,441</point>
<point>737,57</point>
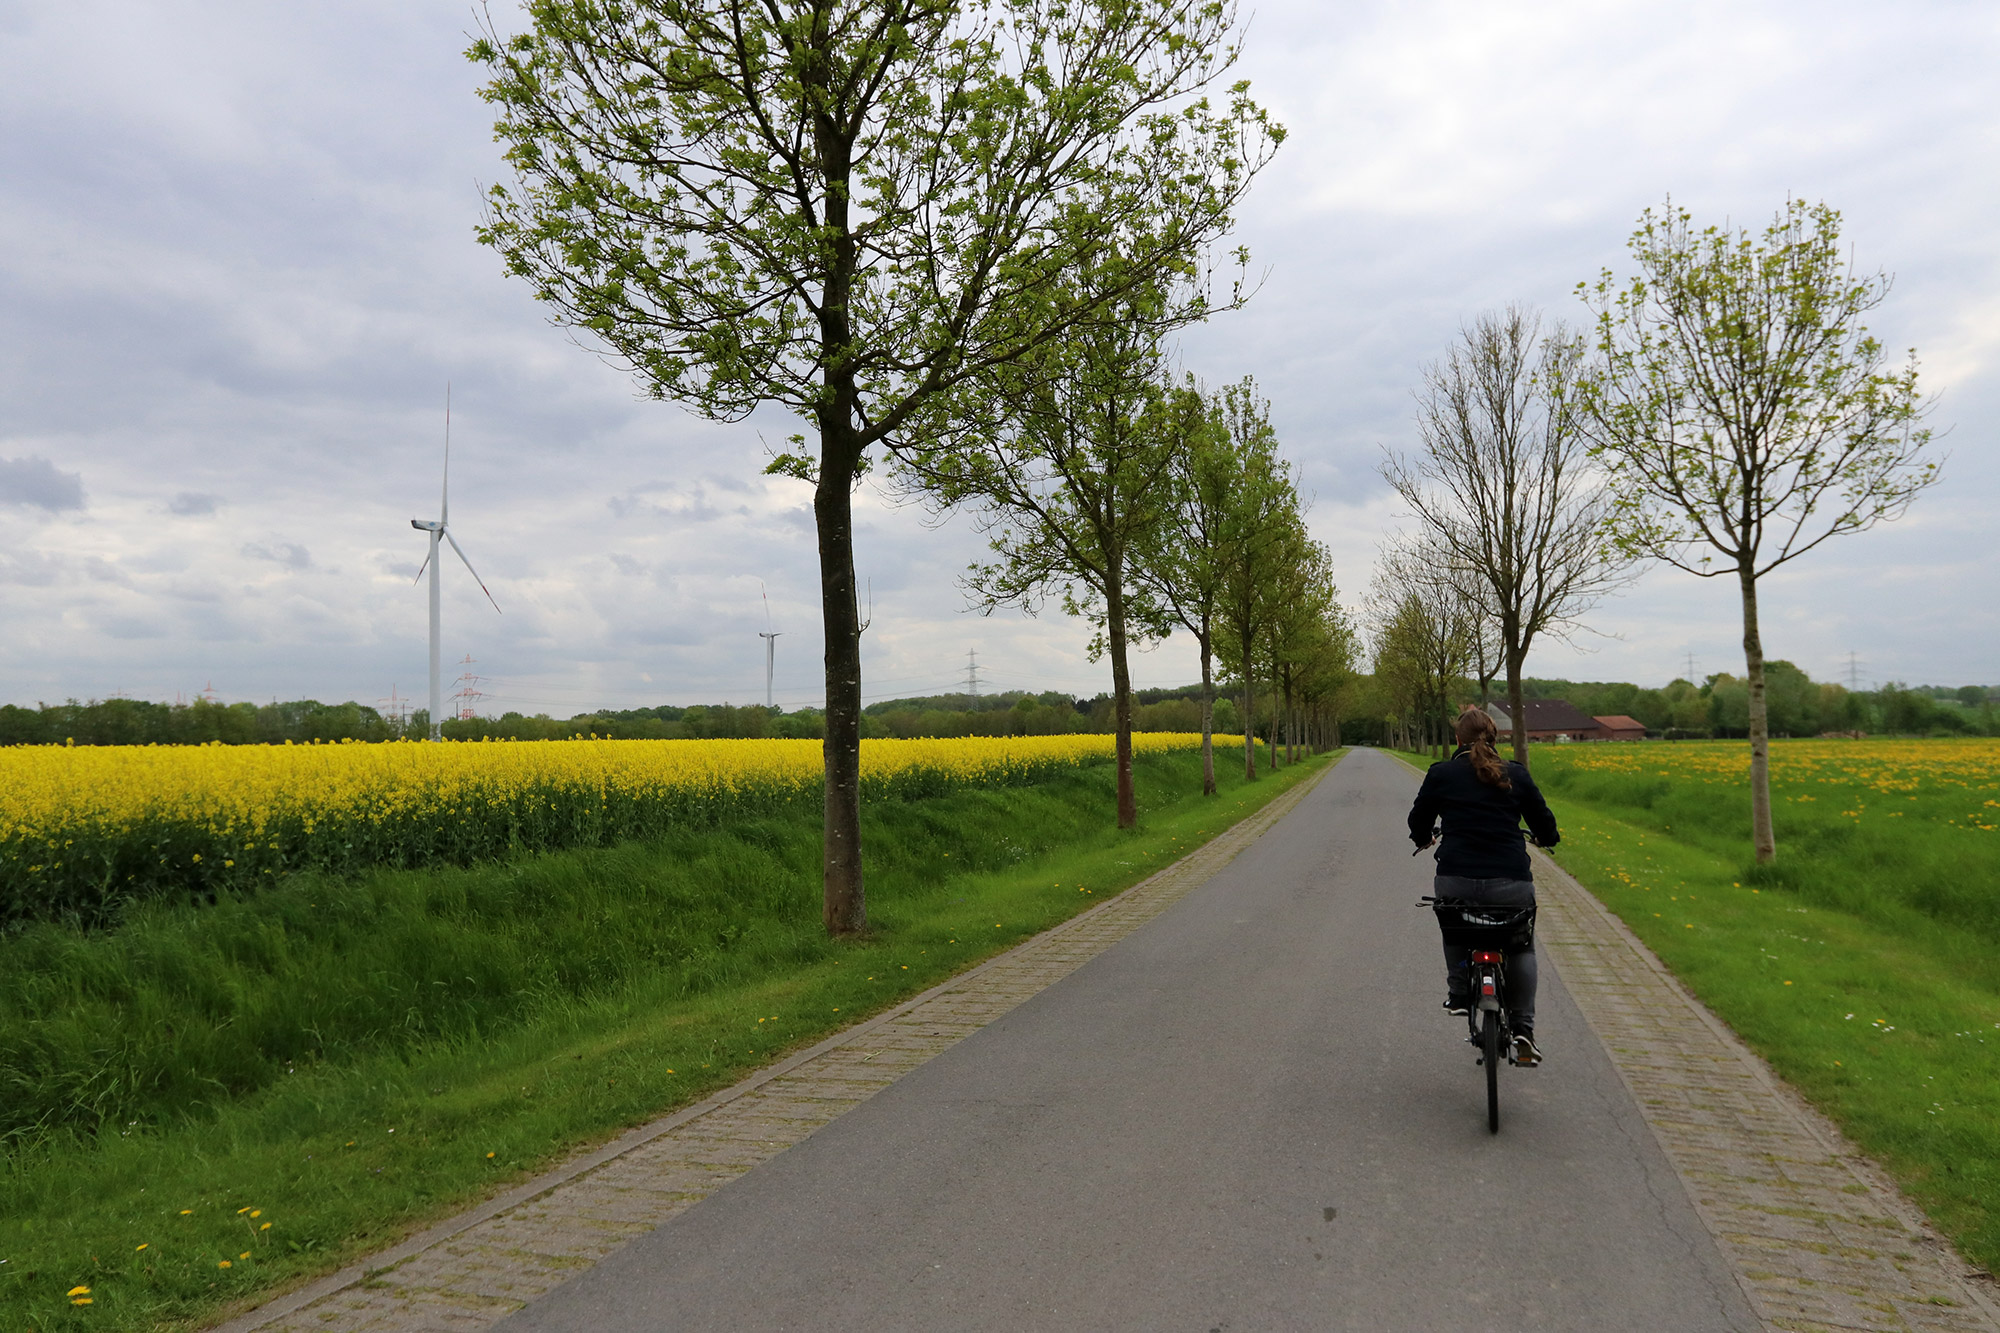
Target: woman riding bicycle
<point>1482,800</point>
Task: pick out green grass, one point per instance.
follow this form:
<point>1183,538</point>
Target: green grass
<point>353,1059</point>
<point>1863,967</point>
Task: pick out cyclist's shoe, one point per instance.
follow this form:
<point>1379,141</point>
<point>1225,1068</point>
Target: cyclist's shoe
<point>1526,1053</point>
<point>1457,1005</point>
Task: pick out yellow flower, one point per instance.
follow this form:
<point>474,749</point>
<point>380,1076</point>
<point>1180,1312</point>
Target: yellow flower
<point>78,1291</point>
<point>140,1246</point>
<point>311,801</point>
<point>267,1225</point>
<point>222,1263</point>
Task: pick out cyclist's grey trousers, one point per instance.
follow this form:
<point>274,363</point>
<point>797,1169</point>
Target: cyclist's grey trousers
<point>1520,966</point>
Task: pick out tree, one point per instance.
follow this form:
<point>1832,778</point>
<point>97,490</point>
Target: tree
<point>1296,631</point>
<point>1209,476</point>
<point>1327,678</point>
<point>1074,480</point>
<point>1262,533</point>
<point>1504,486</point>
<point>1746,414</point>
<point>857,210</point>
<point>1424,635</point>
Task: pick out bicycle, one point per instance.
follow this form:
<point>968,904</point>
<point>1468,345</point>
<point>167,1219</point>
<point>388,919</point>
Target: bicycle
<point>1489,931</point>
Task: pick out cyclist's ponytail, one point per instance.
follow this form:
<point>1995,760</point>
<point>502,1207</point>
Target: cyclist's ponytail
<point>1477,734</point>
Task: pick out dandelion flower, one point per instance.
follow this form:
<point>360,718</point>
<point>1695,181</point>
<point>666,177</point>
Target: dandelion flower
<point>267,1225</point>
<point>141,1245</point>
<point>222,1263</point>
<point>244,1255</point>
<point>78,1291</point>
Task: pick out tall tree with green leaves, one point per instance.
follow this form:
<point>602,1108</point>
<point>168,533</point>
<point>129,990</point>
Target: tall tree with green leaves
<point>1072,474</point>
<point>856,210</point>
<point>1746,414</point>
<point>1183,568</point>
<point>1305,600</point>
<point>1263,533</point>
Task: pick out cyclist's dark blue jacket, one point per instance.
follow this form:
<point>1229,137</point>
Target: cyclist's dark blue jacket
<point>1482,833</point>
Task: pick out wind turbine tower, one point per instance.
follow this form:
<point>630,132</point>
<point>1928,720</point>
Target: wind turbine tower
<point>770,638</point>
<point>437,530</point>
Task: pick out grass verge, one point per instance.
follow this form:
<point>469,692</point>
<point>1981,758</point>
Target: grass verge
<point>1893,1031</point>
<point>418,1041</point>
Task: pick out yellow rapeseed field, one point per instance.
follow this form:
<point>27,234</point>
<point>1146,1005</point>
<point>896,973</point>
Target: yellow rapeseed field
<point>82,827</point>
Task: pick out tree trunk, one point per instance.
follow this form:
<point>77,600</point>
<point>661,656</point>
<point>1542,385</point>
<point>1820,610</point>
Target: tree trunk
<point>1515,710</point>
<point>1121,690</point>
<point>1762,837</point>
<point>1207,711</point>
<point>1249,713</point>
<point>844,906</point>
<point>1291,726</point>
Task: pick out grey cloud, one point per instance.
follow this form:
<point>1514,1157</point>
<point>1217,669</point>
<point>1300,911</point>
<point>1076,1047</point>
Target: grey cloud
<point>192,504</point>
<point>38,484</point>
<point>289,554</point>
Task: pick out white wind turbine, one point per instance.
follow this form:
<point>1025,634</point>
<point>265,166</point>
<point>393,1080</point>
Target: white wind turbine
<point>437,530</point>
<point>770,638</point>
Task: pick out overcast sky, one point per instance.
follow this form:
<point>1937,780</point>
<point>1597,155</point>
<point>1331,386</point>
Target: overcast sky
<point>237,271</point>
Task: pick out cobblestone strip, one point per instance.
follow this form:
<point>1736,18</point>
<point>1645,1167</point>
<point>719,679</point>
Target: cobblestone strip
<point>472,1271</point>
<point>1818,1236</point>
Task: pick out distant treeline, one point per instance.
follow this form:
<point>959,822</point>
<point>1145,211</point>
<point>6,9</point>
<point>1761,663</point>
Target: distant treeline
<point>1718,706</point>
<point>304,721</point>
<point>1799,705</point>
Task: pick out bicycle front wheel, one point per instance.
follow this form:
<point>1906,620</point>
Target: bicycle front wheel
<point>1489,1044</point>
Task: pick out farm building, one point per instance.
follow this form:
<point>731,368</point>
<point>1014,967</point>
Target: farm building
<point>1618,727</point>
<point>1551,720</point>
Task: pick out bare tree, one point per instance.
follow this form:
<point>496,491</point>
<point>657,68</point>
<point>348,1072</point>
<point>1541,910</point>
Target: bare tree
<point>1424,632</point>
<point>1746,413</point>
<point>1504,485</point>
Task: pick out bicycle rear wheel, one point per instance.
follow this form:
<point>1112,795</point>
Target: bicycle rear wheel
<point>1489,1045</point>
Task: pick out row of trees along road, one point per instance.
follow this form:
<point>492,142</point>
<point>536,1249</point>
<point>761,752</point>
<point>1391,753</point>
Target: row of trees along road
<point>1728,413</point>
<point>883,216</point>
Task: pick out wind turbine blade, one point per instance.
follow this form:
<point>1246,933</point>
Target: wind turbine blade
<point>444,495</point>
<point>767,603</point>
<point>421,568</point>
<point>469,569</point>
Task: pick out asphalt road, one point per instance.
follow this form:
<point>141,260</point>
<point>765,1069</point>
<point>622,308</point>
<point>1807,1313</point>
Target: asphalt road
<point>1249,1114</point>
